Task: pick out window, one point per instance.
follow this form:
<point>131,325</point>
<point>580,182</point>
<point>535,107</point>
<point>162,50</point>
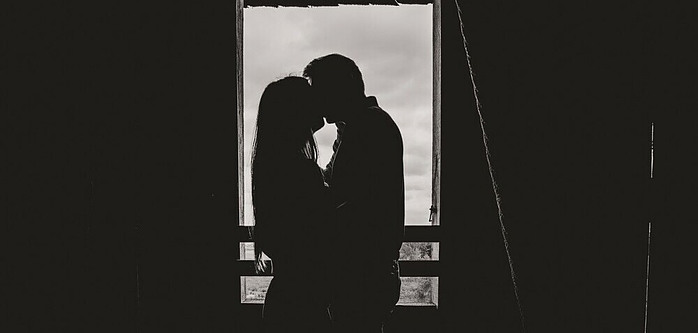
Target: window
<point>398,50</point>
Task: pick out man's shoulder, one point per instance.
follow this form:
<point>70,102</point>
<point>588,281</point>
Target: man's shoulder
<point>384,123</point>
<point>380,119</point>
<point>380,129</point>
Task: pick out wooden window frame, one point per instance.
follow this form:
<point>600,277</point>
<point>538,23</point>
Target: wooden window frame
<point>428,233</point>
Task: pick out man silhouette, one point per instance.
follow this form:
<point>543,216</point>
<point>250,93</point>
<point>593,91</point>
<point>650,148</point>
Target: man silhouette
<point>366,180</point>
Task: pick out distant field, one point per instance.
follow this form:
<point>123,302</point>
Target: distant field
<point>415,290</point>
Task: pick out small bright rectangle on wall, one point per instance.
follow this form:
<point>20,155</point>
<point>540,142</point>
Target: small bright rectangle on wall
<point>419,291</point>
<point>419,251</point>
<point>253,289</point>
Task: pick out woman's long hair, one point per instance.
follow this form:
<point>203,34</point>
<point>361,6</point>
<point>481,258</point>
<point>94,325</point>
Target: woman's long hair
<point>284,134</point>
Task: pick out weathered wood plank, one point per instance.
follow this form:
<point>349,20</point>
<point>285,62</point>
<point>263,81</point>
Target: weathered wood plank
<point>436,119</point>
<point>407,268</point>
<point>321,3</point>
<point>412,234</point>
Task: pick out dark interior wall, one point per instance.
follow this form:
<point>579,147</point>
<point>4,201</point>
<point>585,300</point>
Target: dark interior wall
<point>188,141</point>
<point>569,92</point>
<point>569,137</point>
<point>69,207</point>
<point>672,94</point>
<point>119,195</point>
<point>119,190</point>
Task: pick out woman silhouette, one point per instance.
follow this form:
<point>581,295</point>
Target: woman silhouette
<point>291,209</point>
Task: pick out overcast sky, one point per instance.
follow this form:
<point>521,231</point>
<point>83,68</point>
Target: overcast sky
<point>392,45</point>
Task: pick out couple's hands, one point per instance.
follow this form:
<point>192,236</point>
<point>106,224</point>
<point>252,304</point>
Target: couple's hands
<point>327,171</point>
<point>340,127</point>
<point>340,131</point>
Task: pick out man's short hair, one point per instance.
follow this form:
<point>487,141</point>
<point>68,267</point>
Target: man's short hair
<point>339,70</point>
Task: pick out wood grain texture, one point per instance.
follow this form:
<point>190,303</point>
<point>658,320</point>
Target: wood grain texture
<point>239,87</point>
<point>436,120</point>
<point>330,3</point>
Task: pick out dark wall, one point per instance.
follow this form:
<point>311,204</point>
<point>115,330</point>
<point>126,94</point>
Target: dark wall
<point>569,92</point>
<point>119,190</point>
<point>671,94</point>
<point>119,156</point>
<point>569,136</point>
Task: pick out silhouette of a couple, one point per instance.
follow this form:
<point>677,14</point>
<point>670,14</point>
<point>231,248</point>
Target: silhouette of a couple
<point>333,234</point>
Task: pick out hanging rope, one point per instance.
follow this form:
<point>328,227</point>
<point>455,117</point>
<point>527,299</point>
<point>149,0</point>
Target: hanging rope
<point>495,187</point>
<point>647,282</point>
<point>649,232</point>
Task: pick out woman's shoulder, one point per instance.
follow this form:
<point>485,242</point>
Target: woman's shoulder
<point>309,164</point>
<point>293,171</point>
<point>311,169</point>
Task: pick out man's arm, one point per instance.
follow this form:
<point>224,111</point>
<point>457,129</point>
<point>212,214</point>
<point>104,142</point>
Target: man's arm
<point>327,171</point>
<point>390,187</point>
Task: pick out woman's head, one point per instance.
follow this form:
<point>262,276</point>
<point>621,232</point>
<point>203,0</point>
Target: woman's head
<point>287,119</point>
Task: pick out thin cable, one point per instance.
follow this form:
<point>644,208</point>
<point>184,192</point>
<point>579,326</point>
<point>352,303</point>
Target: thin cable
<point>652,154</point>
<point>647,282</point>
<point>495,187</point>
<point>649,233</point>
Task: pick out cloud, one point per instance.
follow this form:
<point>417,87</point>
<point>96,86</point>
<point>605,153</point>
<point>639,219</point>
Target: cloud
<point>420,183</point>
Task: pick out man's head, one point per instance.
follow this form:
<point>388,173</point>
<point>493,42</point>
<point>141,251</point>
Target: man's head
<point>337,84</point>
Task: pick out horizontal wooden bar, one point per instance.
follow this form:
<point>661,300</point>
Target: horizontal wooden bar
<point>415,2</point>
<point>425,233</point>
<point>412,234</point>
<point>419,268</point>
<point>328,3</point>
<point>243,233</point>
<point>246,268</point>
<point>407,268</point>
<point>255,309</point>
